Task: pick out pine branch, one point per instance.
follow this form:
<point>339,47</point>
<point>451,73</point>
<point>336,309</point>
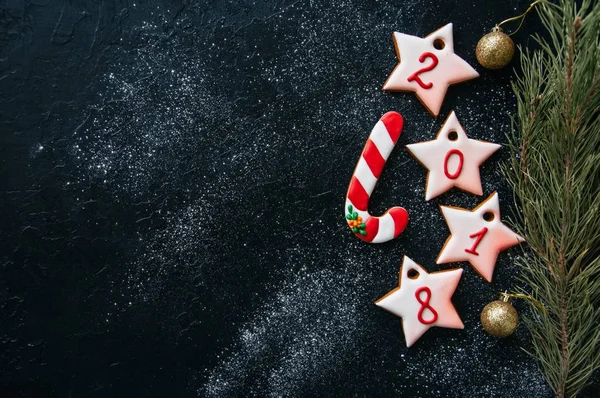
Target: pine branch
<point>555,174</point>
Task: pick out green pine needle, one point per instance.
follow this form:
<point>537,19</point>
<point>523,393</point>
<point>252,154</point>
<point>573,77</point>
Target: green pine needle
<point>555,174</point>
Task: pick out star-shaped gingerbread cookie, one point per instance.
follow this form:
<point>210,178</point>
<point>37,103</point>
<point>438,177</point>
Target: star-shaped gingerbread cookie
<point>428,66</point>
<point>452,159</point>
<point>422,300</point>
<point>477,236</point>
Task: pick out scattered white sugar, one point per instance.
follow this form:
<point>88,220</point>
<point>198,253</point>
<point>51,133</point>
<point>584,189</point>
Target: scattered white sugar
<point>289,135</point>
<point>299,336</point>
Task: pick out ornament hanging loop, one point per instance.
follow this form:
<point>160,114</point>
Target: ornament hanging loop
<point>507,297</point>
<point>522,17</point>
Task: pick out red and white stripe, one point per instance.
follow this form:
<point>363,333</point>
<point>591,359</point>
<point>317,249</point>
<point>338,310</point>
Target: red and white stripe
<point>379,145</point>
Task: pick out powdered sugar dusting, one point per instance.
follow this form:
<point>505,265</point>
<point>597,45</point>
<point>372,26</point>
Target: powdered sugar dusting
<point>307,329</point>
<point>157,100</point>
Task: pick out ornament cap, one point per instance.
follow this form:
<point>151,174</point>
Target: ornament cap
<point>506,297</point>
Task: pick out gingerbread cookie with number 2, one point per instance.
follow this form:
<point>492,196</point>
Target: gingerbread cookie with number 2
<point>428,66</point>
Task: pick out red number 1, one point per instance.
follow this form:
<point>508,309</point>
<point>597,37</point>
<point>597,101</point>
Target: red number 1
<point>479,235</point>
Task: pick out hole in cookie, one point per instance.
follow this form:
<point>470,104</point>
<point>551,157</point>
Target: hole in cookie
<point>413,273</point>
<point>453,136</point>
<point>488,216</point>
<point>439,44</point>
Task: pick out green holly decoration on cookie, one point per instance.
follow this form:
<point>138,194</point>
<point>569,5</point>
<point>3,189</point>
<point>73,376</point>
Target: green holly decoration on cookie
<point>355,222</point>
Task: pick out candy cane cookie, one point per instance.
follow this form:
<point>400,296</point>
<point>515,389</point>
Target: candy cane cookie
<point>380,144</point>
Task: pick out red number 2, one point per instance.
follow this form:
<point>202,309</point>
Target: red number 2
<point>479,235</point>
<point>415,76</point>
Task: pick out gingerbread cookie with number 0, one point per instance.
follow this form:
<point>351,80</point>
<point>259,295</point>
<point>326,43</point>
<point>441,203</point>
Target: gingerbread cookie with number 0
<point>453,159</point>
<point>427,66</point>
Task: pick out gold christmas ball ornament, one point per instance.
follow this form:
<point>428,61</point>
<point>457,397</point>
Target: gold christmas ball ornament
<point>495,50</point>
<point>499,318</point>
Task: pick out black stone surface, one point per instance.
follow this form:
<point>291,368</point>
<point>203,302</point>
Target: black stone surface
<point>172,178</point>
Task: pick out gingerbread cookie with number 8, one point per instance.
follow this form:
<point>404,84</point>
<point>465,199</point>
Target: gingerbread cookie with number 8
<point>422,300</point>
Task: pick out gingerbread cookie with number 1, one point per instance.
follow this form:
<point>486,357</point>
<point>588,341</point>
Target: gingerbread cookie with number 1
<point>477,236</point>
<point>428,66</point>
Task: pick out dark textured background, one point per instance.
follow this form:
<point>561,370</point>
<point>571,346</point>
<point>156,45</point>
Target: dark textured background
<point>172,180</point>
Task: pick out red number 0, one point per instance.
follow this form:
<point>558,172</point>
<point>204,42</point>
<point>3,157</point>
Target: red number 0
<point>461,159</point>
<point>479,235</point>
<point>415,76</point>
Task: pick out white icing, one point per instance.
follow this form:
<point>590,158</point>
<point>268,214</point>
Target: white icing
<point>386,229</point>
<point>382,140</point>
<point>364,174</point>
<point>432,155</point>
<point>402,301</point>
<point>463,223</point>
<point>450,69</point>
